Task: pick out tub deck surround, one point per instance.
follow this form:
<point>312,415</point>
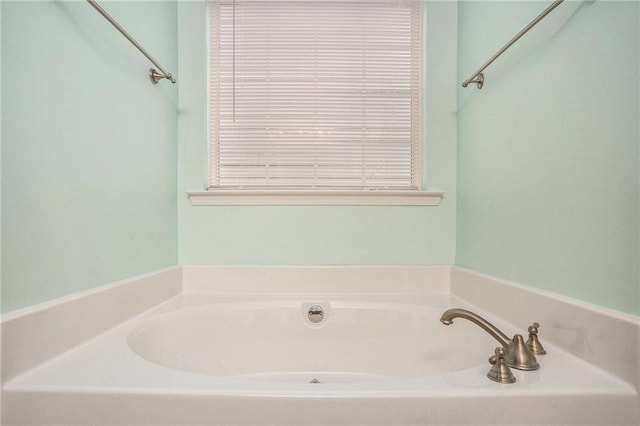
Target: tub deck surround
<point>126,374</point>
<point>312,279</point>
<point>33,335</point>
<point>607,339</point>
<point>64,389</point>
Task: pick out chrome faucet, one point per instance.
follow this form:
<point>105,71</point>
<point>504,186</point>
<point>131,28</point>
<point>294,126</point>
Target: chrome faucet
<point>517,354</point>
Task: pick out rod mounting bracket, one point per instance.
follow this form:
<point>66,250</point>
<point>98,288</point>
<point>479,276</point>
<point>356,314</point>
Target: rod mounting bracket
<point>156,76</point>
<point>478,79</point>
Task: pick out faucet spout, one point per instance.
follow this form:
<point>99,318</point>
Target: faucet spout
<point>518,354</point>
<point>448,316</point>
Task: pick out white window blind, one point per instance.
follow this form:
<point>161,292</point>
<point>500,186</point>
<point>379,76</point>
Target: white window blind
<point>315,94</point>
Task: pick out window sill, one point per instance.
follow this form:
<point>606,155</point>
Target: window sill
<point>314,198</point>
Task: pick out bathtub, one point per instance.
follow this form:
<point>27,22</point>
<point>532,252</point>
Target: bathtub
<point>225,359</point>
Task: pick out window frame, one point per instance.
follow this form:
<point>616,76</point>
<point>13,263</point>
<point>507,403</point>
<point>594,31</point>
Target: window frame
<point>311,196</point>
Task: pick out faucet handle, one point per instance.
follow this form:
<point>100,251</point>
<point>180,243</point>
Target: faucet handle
<point>500,372</point>
<point>533,343</point>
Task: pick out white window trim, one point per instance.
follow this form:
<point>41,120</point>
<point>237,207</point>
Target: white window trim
<point>315,198</point>
<point>362,197</point>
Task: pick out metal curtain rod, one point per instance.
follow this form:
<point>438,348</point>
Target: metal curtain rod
<point>478,77</point>
<point>154,75</point>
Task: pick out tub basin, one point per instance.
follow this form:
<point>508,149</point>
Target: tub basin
<point>276,341</point>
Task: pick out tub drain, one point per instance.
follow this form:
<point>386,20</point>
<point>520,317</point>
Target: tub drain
<point>315,314</point>
<point>315,381</point>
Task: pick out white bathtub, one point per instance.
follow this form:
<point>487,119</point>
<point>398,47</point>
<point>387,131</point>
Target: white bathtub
<point>212,359</point>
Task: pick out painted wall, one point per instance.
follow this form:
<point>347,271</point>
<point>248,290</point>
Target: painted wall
<point>548,192</point>
<point>0,168</point>
<point>88,147</point>
<point>1,392</point>
<point>547,166</point>
<point>326,235</point>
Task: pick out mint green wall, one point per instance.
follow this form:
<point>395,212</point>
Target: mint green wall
<point>547,162</point>
<point>0,177</point>
<point>88,147</point>
<point>326,235</point>
<point>548,149</point>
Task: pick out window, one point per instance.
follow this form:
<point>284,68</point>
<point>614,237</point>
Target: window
<point>315,95</point>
